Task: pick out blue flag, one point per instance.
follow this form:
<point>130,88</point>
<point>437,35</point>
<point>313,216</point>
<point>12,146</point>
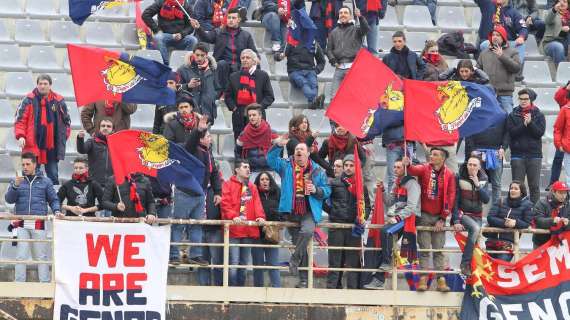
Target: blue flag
<point>302,30</point>
<point>80,10</point>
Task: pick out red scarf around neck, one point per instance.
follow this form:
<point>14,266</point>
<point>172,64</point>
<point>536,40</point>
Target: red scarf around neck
<point>528,109</point>
<point>299,202</point>
<point>81,177</point>
<point>338,144</point>
<point>100,138</point>
<point>189,121</point>
<point>134,196</point>
<point>257,137</point>
<point>203,66</point>
<point>246,94</point>
<point>565,17</point>
<point>109,108</point>
<point>171,10</point>
<point>45,130</point>
<point>433,58</point>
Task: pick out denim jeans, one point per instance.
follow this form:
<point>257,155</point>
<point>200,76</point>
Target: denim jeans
<point>26,250</point>
<point>266,257</point>
<point>166,40</point>
<point>506,102</point>
<point>567,166</point>
<point>555,50</point>
<point>214,255</point>
<point>338,76</point>
<point>473,227</point>
<point>430,4</point>
<point>322,33</point>
<point>305,80</point>
<point>392,154</point>
<point>187,207</point>
<point>52,171</point>
<point>521,49</point>
<point>301,238</point>
<point>240,256</point>
<point>372,37</point>
<point>537,27</point>
<point>556,167</point>
<point>277,28</point>
<point>529,168</point>
<point>387,244</point>
<point>495,181</point>
<point>163,211</point>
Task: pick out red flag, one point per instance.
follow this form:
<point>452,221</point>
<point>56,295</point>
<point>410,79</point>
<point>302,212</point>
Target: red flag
<point>358,228</point>
<point>377,215</point>
<point>142,29</point>
<point>368,85</point>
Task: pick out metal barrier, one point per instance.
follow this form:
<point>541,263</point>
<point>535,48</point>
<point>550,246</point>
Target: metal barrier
<point>225,224</point>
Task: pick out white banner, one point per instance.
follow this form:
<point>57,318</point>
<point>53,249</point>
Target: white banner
<point>110,270</point>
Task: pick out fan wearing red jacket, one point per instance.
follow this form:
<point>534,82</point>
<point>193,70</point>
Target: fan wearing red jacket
<point>437,200</point>
<point>241,202</point>
<point>562,137</point>
<point>562,97</point>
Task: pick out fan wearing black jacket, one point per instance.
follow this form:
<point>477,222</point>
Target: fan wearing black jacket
<point>81,192</point>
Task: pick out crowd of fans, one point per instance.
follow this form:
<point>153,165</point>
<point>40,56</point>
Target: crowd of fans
<point>314,177</point>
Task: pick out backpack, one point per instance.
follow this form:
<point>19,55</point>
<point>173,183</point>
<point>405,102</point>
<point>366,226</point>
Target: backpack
<point>453,44</point>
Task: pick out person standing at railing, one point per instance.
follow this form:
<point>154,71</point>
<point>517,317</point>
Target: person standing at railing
<point>514,212</point>
<point>472,193</point>
<point>135,199</point>
<point>403,203</point>
<point>32,193</point>
<point>437,202</point>
<point>552,212</point>
<point>240,203</point>
<point>343,209</point>
<point>304,188</point>
<point>81,191</point>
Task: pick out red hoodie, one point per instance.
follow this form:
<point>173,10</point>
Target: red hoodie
<point>231,198</point>
<point>444,202</point>
<point>561,96</point>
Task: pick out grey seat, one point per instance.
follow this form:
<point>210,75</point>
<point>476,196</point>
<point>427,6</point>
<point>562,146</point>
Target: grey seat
<point>64,9</point>
<point>150,54</point>
<point>531,51</point>
<point>63,85</point>
<point>66,65</point>
<point>318,121</point>
<point>537,74</point>
<point>416,40</point>
<point>475,18</point>
<point>563,73</point>
<point>41,9</point>
<point>220,126</point>
<point>451,19</point>
<point>7,170</point>
<point>71,146</point>
<point>12,146</point>
<point>5,36</point>
<point>18,84</point>
<point>385,40</point>
<point>225,169</point>
<point>74,114</point>
<point>379,152</point>
<point>114,14</point>
<point>7,114</point>
<point>296,97</point>
<point>418,18</point>
<point>390,21</point>
<point>545,101</point>
<point>130,38</point>
<point>177,58</point>
<point>281,70</point>
<point>29,32</point>
<point>279,119</point>
<point>278,94</point>
<point>11,58</point>
<point>264,64</point>
<point>100,34</point>
<point>143,118</point>
<point>327,73</point>
<point>63,33</point>
<point>11,9</point>
<point>228,147</point>
<point>43,59</point>
<point>66,168</point>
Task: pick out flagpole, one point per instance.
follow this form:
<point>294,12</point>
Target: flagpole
<point>184,10</point>
<point>406,155</point>
<point>118,192</point>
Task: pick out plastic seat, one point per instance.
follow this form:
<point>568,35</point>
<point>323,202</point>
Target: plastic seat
<point>63,33</point>
<point>41,9</point>
<point>416,40</point>
<point>226,169</point>
<point>418,18</point>
<point>296,97</point>
<point>7,114</point>
<point>29,32</point>
<point>18,84</point>
<point>545,101</point>
<point>143,118</point>
<point>327,73</point>
<point>71,146</point>
<point>379,152</point>
<point>264,64</point>
<point>7,170</point>
<point>220,126</point>
<point>43,59</point>
<point>11,9</point>
<point>281,70</point>
<point>451,19</point>
<point>130,38</point>
<point>318,121</point>
<point>385,40</point>
<point>150,54</point>
<point>74,114</point>
<point>279,119</point>
<point>100,34</point>
<point>563,73</point>
<point>66,167</point>
<point>64,9</point>
<point>11,58</point>
<point>228,147</point>
<point>475,19</point>
<point>5,36</point>
<point>390,21</point>
<point>177,58</point>
<point>278,94</point>
<point>63,85</point>
<point>115,14</point>
<point>548,140</point>
<point>66,65</point>
<point>12,146</point>
<point>537,74</point>
<point>531,51</point>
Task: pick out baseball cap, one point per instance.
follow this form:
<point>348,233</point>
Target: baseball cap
<point>559,186</point>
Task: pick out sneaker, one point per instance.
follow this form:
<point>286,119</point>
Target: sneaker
<point>320,101</point>
<point>198,260</point>
<point>302,284</point>
<point>385,267</point>
<point>442,285</point>
<point>276,47</point>
<point>375,284</point>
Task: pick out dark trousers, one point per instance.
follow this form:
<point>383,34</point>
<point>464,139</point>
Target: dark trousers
<point>371,261</point>
<point>223,73</point>
<point>529,168</point>
<point>556,166</point>
<point>301,238</point>
<point>343,258</point>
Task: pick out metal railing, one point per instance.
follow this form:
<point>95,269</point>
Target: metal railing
<point>310,268</point>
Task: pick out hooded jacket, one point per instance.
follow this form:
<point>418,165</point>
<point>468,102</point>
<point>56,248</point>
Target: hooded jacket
<point>111,197</point>
<point>562,129</point>
<point>222,38</point>
<point>230,206</point>
<point>444,201</point>
<point>345,41</point>
<point>400,206</point>
<point>519,210</point>
<point>300,58</point>
<point>181,26</point>
<point>98,157</point>
<point>526,141</point>
<point>207,92</point>
<point>501,70</point>
<point>543,216</point>
<point>562,96</point>
<point>211,173</point>
<point>469,199</point>
<point>174,129</point>
<point>343,207</point>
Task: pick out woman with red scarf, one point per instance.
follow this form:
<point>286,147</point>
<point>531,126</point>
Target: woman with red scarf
<point>435,63</point>
<point>555,42</point>
<point>178,125</point>
<point>526,126</point>
<point>339,144</point>
<point>255,140</point>
<point>80,192</point>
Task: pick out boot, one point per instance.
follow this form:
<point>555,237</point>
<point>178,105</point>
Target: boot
<point>422,284</point>
<point>442,285</point>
